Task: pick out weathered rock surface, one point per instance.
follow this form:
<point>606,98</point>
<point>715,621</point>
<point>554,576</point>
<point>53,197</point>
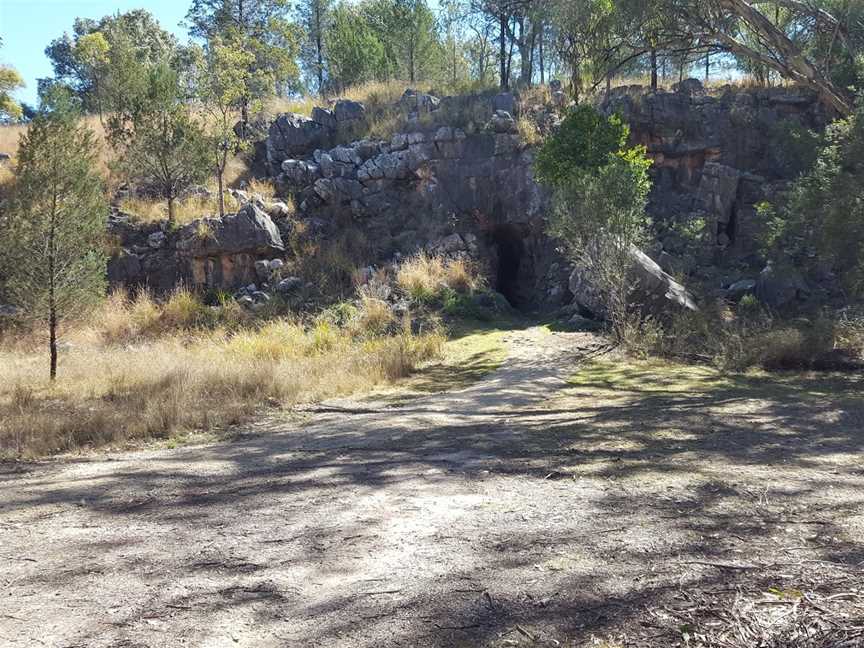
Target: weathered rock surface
<point>210,252</point>
<point>250,230</point>
<point>292,135</point>
<point>460,182</point>
<point>655,291</point>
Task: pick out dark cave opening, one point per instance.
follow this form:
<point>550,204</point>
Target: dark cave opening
<point>509,243</point>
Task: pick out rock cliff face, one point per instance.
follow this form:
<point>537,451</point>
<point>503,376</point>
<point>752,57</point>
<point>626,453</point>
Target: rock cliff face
<point>716,156</point>
<point>444,185</point>
<point>207,253</point>
<point>440,189</point>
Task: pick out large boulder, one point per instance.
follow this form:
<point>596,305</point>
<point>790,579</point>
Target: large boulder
<point>718,190</point>
<point>294,136</point>
<point>249,231</point>
<point>779,286</point>
<point>346,110</point>
<point>656,291</point>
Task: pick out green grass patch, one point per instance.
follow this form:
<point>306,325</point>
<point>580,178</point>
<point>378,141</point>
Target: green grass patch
<point>659,378</point>
<point>474,350</point>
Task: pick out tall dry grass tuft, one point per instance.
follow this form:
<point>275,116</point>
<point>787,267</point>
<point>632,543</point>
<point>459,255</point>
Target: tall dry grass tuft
<point>425,277</point>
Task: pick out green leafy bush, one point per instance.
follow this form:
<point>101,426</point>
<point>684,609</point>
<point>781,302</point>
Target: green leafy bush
<point>601,190</point>
<point>584,142</point>
<point>821,221</point>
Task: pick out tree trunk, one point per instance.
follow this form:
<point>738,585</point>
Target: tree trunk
<point>453,43</point>
<point>52,299</point>
<point>52,337</point>
<point>788,60</point>
<point>171,210</point>
<point>220,180</point>
<point>542,56</point>
<point>319,47</point>
<point>654,69</point>
<point>525,46</point>
<point>707,67</point>
<point>412,75</point>
<point>509,62</point>
<point>502,54</point>
<point>244,116</point>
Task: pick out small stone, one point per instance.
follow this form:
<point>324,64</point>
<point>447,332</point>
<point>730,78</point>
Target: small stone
<point>260,297</point>
<point>262,270</point>
<point>157,240</point>
<point>289,285</point>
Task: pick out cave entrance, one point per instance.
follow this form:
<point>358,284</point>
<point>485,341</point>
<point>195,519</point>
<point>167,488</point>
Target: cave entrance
<point>509,243</point>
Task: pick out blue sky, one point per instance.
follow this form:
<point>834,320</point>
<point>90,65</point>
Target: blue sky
<point>27,26</point>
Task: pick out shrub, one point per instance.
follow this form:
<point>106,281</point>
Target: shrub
<point>584,142</point>
<point>601,191</point>
<point>186,210</point>
<point>460,276</point>
<point>528,131</point>
<point>824,210</point>
<point>183,310</point>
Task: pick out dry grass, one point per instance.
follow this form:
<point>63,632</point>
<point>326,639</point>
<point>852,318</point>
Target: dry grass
<point>6,179</point>
<point>373,317</point>
<point>146,210</point>
<point>330,264</point>
<point>424,278</point>
<point>10,136</point>
<point>150,371</point>
<point>263,188</point>
<point>528,132</point>
<point>715,81</point>
<point>300,105</point>
<point>536,95</point>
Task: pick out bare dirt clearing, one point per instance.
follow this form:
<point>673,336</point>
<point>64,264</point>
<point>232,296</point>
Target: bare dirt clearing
<point>628,505</point>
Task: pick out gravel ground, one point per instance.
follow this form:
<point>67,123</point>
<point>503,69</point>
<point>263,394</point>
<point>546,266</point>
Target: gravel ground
<point>519,511</point>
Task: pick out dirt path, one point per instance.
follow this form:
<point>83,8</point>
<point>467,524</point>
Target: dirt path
<point>514,512</point>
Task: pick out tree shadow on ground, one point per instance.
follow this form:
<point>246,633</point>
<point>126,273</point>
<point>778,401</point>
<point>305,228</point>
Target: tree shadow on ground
<point>489,516</point>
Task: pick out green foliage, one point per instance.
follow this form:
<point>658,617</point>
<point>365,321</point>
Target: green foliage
<point>355,54</point>
<point>794,146</point>
<point>601,185</point>
<point>482,306</point>
<point>583,143</point>
<point>10,80</point>
<point>263,29</point>
<point>52,240</point>
<point>224,85</point>
<point>86,60</point>
<point>315,19</point>
<point>161,145</point>
<point>601,191</point>
<point>822,216</point>
<point>609,201</point>
<point>407,31</point>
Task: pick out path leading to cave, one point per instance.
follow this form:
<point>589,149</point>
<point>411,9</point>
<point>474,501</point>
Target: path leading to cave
<point>470,518</point>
